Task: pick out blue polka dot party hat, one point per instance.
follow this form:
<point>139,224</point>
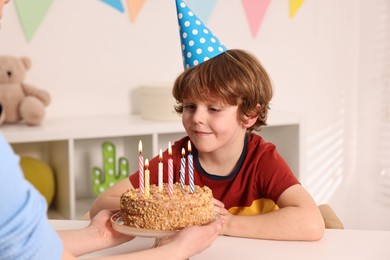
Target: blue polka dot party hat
<point>198,44</point>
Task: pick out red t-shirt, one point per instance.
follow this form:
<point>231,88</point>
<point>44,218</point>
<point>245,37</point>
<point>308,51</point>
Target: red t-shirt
<point>253,187</point>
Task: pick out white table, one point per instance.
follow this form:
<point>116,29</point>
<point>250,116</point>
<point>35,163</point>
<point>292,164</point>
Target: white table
<point>336,244</point>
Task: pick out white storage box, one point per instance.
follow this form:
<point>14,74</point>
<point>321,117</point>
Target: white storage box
<point>157,103</point>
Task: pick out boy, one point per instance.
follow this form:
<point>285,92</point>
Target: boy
<point>222,96</point>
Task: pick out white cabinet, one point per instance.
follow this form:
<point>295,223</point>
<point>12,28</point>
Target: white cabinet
<point>72,147</point>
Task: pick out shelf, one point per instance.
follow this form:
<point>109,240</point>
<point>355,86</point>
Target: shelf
<point>54,129</point>
<point>72,146</point>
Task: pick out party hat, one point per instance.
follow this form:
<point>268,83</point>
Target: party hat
<point>198,43</point>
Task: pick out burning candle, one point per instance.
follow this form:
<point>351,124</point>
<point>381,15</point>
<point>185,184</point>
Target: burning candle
<point>160,172</point>
<point>170,170</point>
<point>141,167</point>
<point>190,168</point>
<point>182,168</point>
<point>147,178</point>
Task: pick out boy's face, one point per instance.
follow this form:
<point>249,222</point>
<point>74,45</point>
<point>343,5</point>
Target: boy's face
<point>213,127</point>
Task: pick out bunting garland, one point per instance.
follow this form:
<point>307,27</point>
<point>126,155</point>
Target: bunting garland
<point>294,7</point>
<point>116,4</point>
<point>255,11</point>
<point>133,8</point>
<point>203,8</point>
<point>31,13</point>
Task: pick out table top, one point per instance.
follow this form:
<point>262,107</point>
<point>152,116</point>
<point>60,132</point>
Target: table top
<point>336,244</point>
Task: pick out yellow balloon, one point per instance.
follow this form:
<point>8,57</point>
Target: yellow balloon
<point>40,175</point>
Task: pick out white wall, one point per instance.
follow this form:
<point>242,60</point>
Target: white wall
<point>373,121</point>
<point>92,60</point>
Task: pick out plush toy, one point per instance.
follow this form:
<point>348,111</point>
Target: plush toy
<point>20,101</point>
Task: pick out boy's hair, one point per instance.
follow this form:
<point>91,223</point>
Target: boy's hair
<point>234,77</point>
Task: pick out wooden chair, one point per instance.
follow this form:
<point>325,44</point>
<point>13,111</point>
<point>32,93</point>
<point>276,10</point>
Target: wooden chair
<point>330,218</point>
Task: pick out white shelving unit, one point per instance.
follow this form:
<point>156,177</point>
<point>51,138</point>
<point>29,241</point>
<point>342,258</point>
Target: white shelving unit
<point>72,146</point>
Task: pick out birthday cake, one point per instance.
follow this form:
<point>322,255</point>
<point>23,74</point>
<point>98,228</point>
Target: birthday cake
<point>162,211</point>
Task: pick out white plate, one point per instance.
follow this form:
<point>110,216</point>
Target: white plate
<point>118,225</point>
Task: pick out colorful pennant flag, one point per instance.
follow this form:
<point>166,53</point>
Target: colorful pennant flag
<point>133,8</point>
<point>255,11</point>
<point>116,4</point>
<point>31,14</point>
<point>294,6</point>
<point>202,8</point>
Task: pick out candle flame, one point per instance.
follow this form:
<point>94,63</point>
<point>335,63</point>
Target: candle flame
<point>183,152</point>
<point>140,146</point>
<point>160,156</point>
<point>169,149</point>
<point>146,163</point>
<point>189,146</point>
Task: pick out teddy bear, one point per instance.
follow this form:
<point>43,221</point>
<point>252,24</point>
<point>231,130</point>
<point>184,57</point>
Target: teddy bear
<point>20,101</point>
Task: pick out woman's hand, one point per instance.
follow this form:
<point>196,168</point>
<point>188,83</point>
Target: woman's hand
<point>108,237</point>
<point>192,240</point>
<point>96,236</point>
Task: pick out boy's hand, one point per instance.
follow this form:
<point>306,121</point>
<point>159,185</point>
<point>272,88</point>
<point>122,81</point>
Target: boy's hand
<point>223,213</point>
<point>219,208</point>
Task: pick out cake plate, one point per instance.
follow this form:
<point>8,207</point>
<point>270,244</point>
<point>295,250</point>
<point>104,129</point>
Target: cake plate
<point>118,225</point>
